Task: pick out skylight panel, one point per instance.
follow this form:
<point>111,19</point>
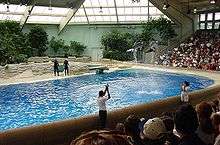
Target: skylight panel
<point>10,17</point>
<point>49,11</point>
<point>44,19</point>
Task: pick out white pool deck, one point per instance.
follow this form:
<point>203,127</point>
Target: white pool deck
<point>28,77</point>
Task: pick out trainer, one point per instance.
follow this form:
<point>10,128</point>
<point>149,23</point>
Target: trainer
<point>102,98</point>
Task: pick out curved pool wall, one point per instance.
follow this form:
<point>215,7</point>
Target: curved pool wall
<point>62,133</point>
<point>49,101</point>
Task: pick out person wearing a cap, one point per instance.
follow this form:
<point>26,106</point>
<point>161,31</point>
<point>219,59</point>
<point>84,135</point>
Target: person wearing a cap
<point>153,132</point>
<point>101,100</point>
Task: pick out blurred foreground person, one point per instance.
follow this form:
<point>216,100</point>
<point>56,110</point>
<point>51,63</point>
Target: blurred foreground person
<point>102,137</point>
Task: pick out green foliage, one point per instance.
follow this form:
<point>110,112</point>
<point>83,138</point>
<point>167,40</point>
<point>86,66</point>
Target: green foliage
<point>14,47</point>
<point>162,26</point>
<point>116,45</point>
<point>76,48</point>
<point>38,40</point>
<point>56,44</point>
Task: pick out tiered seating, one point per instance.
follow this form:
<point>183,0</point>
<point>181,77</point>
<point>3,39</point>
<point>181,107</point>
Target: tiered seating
<point>200,51</point>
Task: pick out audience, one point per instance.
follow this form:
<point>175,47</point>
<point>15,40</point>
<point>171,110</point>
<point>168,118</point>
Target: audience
<point>200,51</point>
<point>200,126</point>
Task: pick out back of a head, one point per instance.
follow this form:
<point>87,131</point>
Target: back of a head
<point>186,120</point>
<point>132,125</point>
<point>216,119</point>
<point>102,137</point>
<point>120,127</point>
<point>168,122</point>
<point>204,110</point>
<point>101,93</point>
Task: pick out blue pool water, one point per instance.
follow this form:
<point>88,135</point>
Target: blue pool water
<point>48,101</point>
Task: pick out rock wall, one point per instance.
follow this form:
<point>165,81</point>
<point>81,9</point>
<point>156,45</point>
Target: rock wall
<point>12,70</point>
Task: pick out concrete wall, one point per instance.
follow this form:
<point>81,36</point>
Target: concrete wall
<point>63,132</point>
<point>91,35</point>
<point>86,34</point>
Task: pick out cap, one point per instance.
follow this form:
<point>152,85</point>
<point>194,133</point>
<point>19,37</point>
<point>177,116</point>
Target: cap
<point>153,128</point>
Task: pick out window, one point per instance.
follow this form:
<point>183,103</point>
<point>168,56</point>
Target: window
<point>202,25</point>
<point>217,16</point>
<point>202,17</point>
<point>217,25</point>
<point>93,11</point>
<point>209,16</point>
<point>209,25</point>
<point>209,20</point>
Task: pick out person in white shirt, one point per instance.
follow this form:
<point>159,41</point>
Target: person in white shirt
<point>101,100</point>
<point>184,92</point>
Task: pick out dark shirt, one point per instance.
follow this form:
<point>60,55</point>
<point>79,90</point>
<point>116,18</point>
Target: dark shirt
<point>66,64</point>
<point>172,139</point>
<point>56,64</point>
<point>191,140</point>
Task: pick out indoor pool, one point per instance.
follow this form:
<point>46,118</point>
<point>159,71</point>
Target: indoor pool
<point>47,101</point>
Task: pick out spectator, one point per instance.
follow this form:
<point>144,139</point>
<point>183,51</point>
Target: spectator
<point>186,123</point>
<point>132,128</point>
<point>216,105</point>
<point>216,122</point>
<point>120,127</point>
<point>169,137</point>
<point>205,130</point>
<point>102,137</point>
<point>153,132</point>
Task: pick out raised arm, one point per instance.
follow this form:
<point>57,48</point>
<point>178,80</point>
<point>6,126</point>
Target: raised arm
<point>108,93</point>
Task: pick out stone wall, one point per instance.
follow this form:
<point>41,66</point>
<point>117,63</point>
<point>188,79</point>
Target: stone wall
<point>12,70</point>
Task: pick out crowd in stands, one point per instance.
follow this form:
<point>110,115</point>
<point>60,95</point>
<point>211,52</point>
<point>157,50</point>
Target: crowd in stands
<point>186,126</point>
<point>200,51</point>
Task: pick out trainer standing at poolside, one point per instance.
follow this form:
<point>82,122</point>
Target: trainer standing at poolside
<point>184,92</point>
<point>102,98</point>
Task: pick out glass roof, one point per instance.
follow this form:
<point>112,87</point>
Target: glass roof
<point>91,12</point>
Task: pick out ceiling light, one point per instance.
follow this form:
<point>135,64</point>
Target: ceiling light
<point>166,6</point>
<point>29,12</point>
<point>50,7</point>
<point>133,1</point>
<point>212,1</point>
<point>100,11</point>
<point>8,10</point>
<point>194,10</point>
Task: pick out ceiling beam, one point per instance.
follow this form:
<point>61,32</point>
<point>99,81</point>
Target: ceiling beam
<point>26,15</point>
<point>116,11</point>
<point>70,14</point>
<point>86,14</point>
